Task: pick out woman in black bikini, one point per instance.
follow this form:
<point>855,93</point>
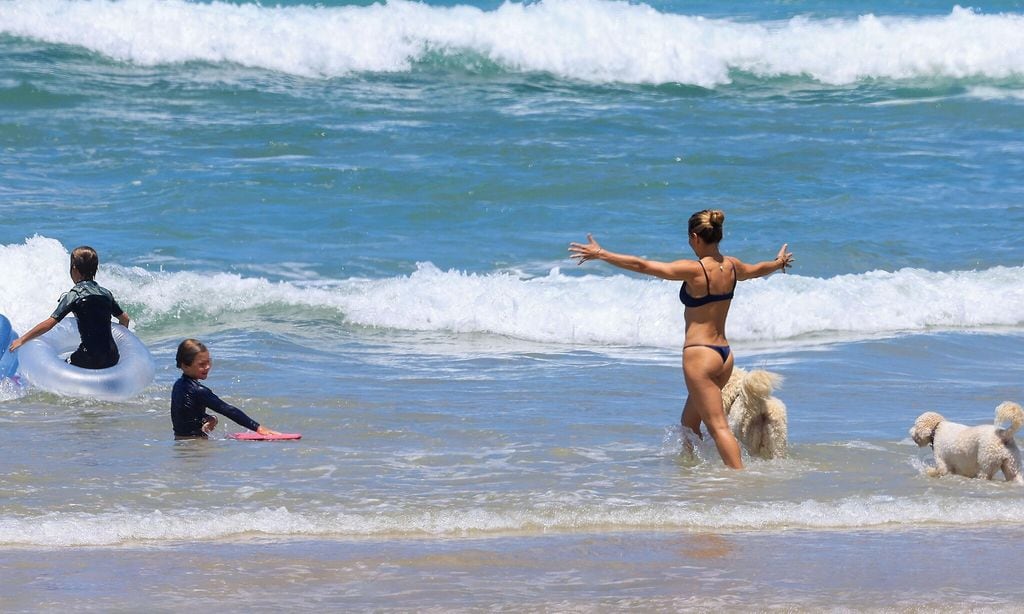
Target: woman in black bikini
<point>708,284</point>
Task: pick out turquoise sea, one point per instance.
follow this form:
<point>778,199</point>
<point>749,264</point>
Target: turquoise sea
<point>363,209</point>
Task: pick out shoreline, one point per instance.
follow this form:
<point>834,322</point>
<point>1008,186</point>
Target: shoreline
<point>933,569</point>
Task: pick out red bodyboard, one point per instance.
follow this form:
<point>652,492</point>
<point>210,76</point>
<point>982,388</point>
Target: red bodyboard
<point>254,436</point>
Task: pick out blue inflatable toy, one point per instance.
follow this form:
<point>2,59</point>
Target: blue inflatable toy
<point>8,360</point>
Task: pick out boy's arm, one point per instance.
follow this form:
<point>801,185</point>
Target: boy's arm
<point>40,329</point>
<point>120,314</point>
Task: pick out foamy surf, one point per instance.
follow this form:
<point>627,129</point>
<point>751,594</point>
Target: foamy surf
<point>557,308</point>
<point>866,512</point>
<point>590,40</point>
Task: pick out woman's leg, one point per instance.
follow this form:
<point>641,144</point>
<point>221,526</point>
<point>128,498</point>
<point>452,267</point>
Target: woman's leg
<point>690,417</point>
<point>703,370</point>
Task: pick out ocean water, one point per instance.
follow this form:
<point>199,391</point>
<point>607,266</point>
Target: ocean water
<point>363,209</point>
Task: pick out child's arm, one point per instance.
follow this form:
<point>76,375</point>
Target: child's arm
<point>236,415</point>
<point>120,314</point>
<point>39,330</point>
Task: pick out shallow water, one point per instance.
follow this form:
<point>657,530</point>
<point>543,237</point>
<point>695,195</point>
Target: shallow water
<point>452,454</point>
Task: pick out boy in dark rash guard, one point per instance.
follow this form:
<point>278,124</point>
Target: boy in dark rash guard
<point>190,399</point>
<point>93,306</point>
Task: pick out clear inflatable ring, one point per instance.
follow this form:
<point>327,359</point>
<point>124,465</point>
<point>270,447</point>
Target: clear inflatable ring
<point>41,362</point>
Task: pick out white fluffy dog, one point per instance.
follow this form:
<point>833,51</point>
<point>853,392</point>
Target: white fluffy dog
<point>973,451</point>
<point>756,418</point>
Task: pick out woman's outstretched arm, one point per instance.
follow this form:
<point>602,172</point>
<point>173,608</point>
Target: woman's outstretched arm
<point>678,270</point>
<point>782,261</point>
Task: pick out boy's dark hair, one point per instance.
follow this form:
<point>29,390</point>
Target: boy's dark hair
<point>187,352</point>
<point>85,260</point>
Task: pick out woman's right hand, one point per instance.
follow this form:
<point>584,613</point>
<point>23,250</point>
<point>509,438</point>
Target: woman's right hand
<point>262,430</point>
<point>785,257</point>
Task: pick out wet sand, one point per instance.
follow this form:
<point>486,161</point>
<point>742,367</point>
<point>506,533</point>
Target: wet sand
<point>932,569</point>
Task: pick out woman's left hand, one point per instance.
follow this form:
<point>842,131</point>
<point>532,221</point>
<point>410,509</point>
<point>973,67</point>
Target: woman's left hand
<point>590,251</point>
<point>262,430</point>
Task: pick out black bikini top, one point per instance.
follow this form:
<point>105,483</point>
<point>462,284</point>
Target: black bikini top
<point>690,301</point>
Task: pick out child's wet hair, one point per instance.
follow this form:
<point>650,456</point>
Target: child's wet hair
<point>187,352</point>
<point>85,260</point>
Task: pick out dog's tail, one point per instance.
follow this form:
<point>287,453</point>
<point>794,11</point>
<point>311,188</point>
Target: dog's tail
<point>1009,418</point>
<point>764,429</point>
<point>759,384</point>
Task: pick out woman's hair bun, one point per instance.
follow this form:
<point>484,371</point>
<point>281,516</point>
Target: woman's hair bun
<point>707,224</point>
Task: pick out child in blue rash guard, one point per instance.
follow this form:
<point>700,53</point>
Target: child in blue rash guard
<point>93,306</point>
<point>190,399</point>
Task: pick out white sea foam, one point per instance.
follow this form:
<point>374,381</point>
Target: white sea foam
<point>992,93</point>
<point>12,388</point>
<point>127,527</point>
<point>591,40</point>
<point>557,308</point>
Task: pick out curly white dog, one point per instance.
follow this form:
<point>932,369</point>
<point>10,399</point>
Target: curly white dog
<point>973,451</point>
<point>756,418</point>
